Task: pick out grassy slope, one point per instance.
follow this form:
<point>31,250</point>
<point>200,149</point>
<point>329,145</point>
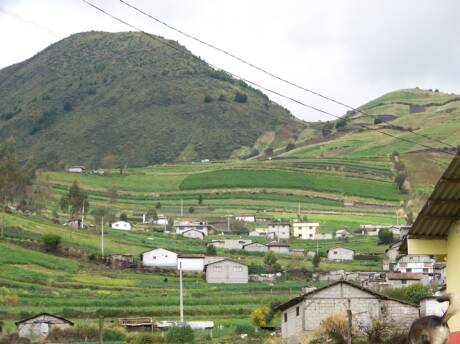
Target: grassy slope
<point>98,94</point>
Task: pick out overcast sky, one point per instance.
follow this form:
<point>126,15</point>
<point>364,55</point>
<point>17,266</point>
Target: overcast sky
<point>350,50</point>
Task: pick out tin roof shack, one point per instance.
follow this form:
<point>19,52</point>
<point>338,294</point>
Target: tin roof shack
<point>226,271</point>
<point>255,247</point>
<point>302,315</point>
<point>340,254</point>
<point>278,247</point>
<point>41,325</point>
<point>118,260</point>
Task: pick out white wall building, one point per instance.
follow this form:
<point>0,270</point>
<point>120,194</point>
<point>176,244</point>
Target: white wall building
<point>190,262</point>
<point>305,230</point>
<point>340,253</point>
<point>245,218</point>
<point>159,258</point>
<point>280,230</point>
<point>193,234</point>
<point>415,263</point>
<point>76,169</point>
<point>182,226</point>
<point>122,225</point>
<point>342,234</point>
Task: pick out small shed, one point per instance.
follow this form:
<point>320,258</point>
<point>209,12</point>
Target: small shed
<point>76,169</point>
<point>122,225</point>
<point>340,253</point>
<point>41,325</point>
<point>342,234</point>
<point>159,258</point>
<point>278,247</point>
<point>255,247</point>
<point>119,260</point>
<point>190,262</point>
<point>226,271</point>
<point>193,234</point>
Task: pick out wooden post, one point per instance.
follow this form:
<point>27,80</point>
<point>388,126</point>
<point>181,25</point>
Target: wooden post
<point>101,330</point>
<point>350,322</point>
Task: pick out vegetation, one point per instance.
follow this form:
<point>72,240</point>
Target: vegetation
<point>180,334</point>
<point>51,242</point>
<point>412,294</point>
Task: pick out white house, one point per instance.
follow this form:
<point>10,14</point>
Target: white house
<point>190,262</point>
<point>278,247</point>
<point>159,258</point>
<point>280,230</point>
<point>182,226</point>
<point>245,218</point>
<point>229,244</point>
<point>162,220</point>
<point>340,253</point>
<point>123,225</point>
<point>193,234</point>
<point>305,230</point>
<point>415,263</point>
<point>76,169</point>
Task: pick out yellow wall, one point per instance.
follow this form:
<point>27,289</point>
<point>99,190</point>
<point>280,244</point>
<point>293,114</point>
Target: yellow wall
<point>432,247</point>
<point>453,270</point>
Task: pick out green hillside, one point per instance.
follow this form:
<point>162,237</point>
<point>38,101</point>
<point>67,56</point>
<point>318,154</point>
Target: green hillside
<point>114,99</point>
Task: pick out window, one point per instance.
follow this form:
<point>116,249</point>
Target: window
<point>425,270</point>
<point>335,252</point>
<point>237,268</point>
<point>297,311</point>
<point>404,282</point>
<point>217,268</point>
<point>408,270</point>
<point>285,317</point>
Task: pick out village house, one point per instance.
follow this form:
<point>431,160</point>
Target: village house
<point>159,258</point>
<point>183,226</point>
<point>415,263</point>
<point>342,234</point>
<point>75,224</point>
<point>258,232</point>
<point>398,280</point>
<point>212,259</point>
<point>190,262</point>
<point>436,229</point>
<point>340,254</point>
<point>229,244</point>
<point>76,169</point>
<point>255,247</point>
<point>245,218</point>
<point>193,234</point>
<point>305,230</point>
<point>280,230</point>
<point>226,271</point>
<point>302,315</point>
<point>120,260</point>
<point>41,324</point>
<point>161,220</point>
<point>122,225</point>
<point>278,247</point>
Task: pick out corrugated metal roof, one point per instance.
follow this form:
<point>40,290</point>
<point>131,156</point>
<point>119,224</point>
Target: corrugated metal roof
<point>443,207</point>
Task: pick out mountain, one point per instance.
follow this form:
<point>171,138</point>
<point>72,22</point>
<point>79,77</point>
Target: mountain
<point>124,98</point>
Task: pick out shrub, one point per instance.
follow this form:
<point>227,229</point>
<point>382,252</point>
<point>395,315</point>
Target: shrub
<point>211,250</point>
<point>114,334</point>
<point>208,99</point>
<point>221,98</point>
<point>336,328</point>
<point>145,338</point>
<point>259,316</point>
<point>244,329</point>
<point>67,107</point>
<point>413,293</point>
<point>123,217</point>
<point>241,97</point>
<point>290,146</point>
<point>340,124</point>
<point>377,121</point>
<point>51,241</point>
<point>180,334</point>
<point>385,236</point>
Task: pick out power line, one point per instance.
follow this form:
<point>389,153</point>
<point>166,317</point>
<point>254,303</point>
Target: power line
<point>185,52</point>
<point>246,62</point>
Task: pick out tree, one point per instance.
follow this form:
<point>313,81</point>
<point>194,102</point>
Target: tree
<point>124,217</point>
<point>270,260</point>
<point>340,124</point>
<point>75,200</point>
<point>238,227</point>
<point>105,212</point>
<point>385,236</point>
<point>268,151</point>
<point>158,205</point>
<point>51,242</point>
<point>191,210</point>
<point>40,193</point>
<point>200,199</point>
<point>151,215</point>
<point>180,334</point>
<point>327,129</point>
<point>290,146</point>
<point>316,261</point>
<point>259,316</point>
<point>211,250</point>
<point>241,97</point>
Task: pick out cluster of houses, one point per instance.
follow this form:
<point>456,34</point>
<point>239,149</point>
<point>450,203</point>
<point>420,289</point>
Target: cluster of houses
<point>217,269</point>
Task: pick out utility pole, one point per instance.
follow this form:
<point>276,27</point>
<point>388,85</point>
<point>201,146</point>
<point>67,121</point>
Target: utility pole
<point>181,296</point>
<point>350,322</point>
<point>228,223</point>
<point>102,237</point>
<point>83,215</point>
<point>101,330</point>
<point>3,222</point>
<point>298,211</point>
<point>181,207</point>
